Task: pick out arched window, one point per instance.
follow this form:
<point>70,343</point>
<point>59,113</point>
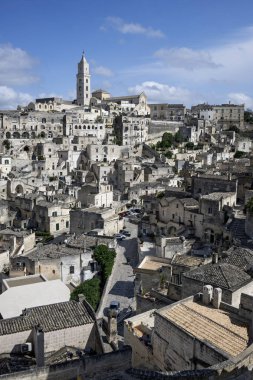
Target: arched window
<point>44,120</point>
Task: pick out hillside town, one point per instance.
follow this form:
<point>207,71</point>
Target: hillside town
<point>126,238</point>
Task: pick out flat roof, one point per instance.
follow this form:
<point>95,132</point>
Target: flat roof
<point>219,328</point>
<point>25,280</point>
<point>153,265</point>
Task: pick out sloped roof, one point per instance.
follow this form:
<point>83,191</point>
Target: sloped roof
<point>239,257</point>
<point>189,202</point>
<point>165,201</point>
<point>53,317</point>
<point>221,275</point>
<point>221,329</point>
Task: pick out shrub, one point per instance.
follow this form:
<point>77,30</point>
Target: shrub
<point>168,154</point>
<point>91,290</point>
<point>238,154</point>
<point>249,205</point>
<point>7,144</point>
<point>105,258</point>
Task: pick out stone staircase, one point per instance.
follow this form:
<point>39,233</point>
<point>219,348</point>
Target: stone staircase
<point>237,229</point>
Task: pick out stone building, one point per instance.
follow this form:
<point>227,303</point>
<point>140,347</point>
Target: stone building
<point>132,105</point>
<point>69,264</point>
<point>96,195</point>
<point>51,217</point>
<point>104,219</point>
<point>231,279</point>
<point>207,183</point>
<point>224,115</point>
<point>44,330</point>
<point>130,130</point>
<point>228,115</point>
<point>103,153</point>
<point>172,112</point>
<point>83,83</point>
<point>190,335</point>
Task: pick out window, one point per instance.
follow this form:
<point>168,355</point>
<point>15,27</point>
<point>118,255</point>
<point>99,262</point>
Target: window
<point>87,88</point>
<point>71,269</point>
<point>87,81</point>
<point>54,213</point>
<point>57,227</point>
<point>210,210</point>
<point>67,224</point>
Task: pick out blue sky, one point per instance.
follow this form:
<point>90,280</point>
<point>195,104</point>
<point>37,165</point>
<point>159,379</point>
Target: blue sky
<point>185,51</point>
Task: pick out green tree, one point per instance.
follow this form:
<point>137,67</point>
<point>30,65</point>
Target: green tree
<point>239,154</point>
<point>91,290</point>
<point>168,154</point>
<point>249,205</point>
<point>105,258</point>
<point>7,144</point>
<point>248,117</point>
<point>189,145</point>
<point>234,128</point>
<point>179,138</point>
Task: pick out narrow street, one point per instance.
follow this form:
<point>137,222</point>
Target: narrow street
<point>121,284</point>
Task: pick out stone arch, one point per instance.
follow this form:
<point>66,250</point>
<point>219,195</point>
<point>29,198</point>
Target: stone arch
<point>25,135</point>
<point>33,135</point>
<point>43,135</point>
<point>172,231</point>
<point>8,135</point>
<point>19,189</point>
<point>16,135</point>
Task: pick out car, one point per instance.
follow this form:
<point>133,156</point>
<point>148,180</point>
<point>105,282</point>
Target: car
<point>119,236</point>
<point>114,307</point>
<point>126,233</point>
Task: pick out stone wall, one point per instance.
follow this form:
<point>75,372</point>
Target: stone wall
<point>185,351</point>
<point>76,337</point>
<point>8,342</point>
<point>89,367</point>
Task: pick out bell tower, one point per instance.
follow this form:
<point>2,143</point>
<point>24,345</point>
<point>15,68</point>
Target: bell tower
<point>83,83</point>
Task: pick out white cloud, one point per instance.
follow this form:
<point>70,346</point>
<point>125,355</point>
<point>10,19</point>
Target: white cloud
<point>241,98</point>
<point>159,92</point>
<point>229,63</point>
<point>16,66</point>
<point>131,28</point>
<point>9,98</point>
<point>186,58</point>
<point>103,71</point>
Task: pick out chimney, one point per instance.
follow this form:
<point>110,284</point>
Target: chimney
<point>81,297</point>
<point>215,257</point>
<point>217,294</point>
<point>38,338</point>
<point>207,294</point>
